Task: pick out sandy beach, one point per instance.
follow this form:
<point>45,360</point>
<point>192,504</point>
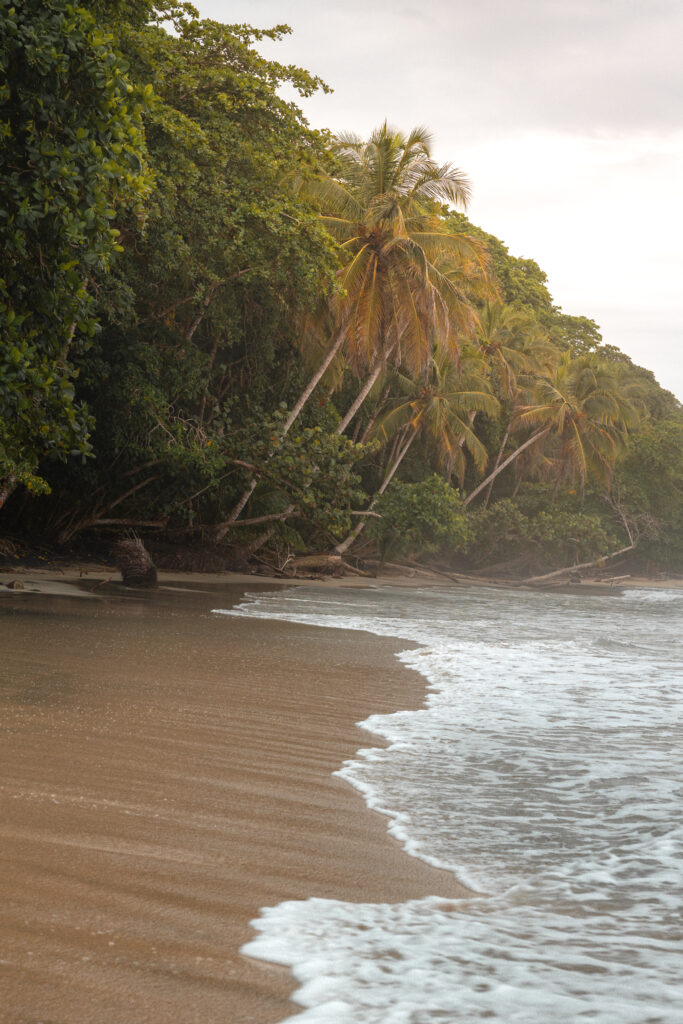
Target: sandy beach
<point>165,774</point>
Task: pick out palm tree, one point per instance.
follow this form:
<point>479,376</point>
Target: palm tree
<point>461,284</point>
<point>511,342</point>
<point>518,351</point>
<point>439,406</point>
<point>400,282</point>
<point>398,286</point>
<point>582,408</point>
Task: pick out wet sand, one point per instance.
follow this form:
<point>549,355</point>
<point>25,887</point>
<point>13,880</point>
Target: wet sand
<point>165,773</point>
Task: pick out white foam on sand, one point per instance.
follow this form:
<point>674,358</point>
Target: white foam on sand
<point>545,771</point>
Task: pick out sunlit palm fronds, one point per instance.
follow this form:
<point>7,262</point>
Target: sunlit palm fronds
<point>442,405</point>
<point>407,284</point>
<point>587,414</point>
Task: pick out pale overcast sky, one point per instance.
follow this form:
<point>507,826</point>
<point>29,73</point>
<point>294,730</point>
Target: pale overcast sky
<point>565,114</point>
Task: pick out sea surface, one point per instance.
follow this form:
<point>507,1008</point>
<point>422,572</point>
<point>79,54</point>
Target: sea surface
<point>546,771</point>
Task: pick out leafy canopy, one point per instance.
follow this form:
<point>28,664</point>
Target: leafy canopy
<point>72,158</point>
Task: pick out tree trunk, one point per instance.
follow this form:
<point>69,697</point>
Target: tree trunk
<point>94,518</point>
<point>7,486</point>
<point>582,565</point>
<point>135,563</point>
<point>348,541</point>
<point>364,392</point>
<point>202,312</point>
<point>263,538</point>
<point>212,360</point>
<point>499,469</point>
<point>332,351</point>
<point>396,447</point>
<point>222,528</point>
<point>373,419</point>
<point>272,517</point>
<point>257,544</point>
<point>499,456</point>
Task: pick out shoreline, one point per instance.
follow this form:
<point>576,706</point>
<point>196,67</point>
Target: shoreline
<point>46,580</point>
<point>182,813</point>
<point>167,774</point>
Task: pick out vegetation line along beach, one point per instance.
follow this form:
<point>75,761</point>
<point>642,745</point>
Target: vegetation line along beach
<point>250,341</point>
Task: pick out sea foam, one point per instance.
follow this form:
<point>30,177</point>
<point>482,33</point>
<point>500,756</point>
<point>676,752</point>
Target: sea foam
<point>544,770</point>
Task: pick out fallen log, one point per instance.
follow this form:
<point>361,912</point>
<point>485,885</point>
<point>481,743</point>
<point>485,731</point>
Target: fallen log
<point>322,561</point>
<point>331,564</point>
<point>355,571</point>
<point>582,565</point>
<point>274,569</point>
<point>460,577</point>
<point>437,572</point>
<point>406,570</point>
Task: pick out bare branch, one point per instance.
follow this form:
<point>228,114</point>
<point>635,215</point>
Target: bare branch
<point>581,565</point>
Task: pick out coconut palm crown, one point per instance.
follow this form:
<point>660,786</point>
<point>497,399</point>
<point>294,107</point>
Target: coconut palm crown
<point>399,293</point>
<point>586,413</point>
<point>442,404</point>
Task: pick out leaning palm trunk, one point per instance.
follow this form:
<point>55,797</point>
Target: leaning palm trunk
<point>364,392</point>
<point>335,345</point>
<point>499,456</point>
<point>221,529</point>
<point>348,541</point>
<point>499,469</point>
<point>373,419</point>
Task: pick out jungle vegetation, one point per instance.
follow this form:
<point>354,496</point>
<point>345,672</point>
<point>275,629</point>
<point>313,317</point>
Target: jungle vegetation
<point>230,332</point>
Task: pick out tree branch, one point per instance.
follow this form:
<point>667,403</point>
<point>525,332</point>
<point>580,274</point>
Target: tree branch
<point>273,517</point>
<point>202,312</point>
<point>581,565</point>
<point>158,524</point>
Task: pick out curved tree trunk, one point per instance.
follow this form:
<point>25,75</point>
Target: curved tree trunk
<point>499,456</point>
<point>221,529</point>
<point>373,419</point>
<point>499,469</point>
<point>332,351</point>
<point>379,365</point>
<point>348,541</point>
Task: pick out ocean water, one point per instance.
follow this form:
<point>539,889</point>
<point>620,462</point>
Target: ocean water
<point>546,771</point>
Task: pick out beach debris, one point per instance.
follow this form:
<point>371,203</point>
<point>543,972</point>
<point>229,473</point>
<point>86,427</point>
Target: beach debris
<point>135,563</point>
<point>7,548</point>
<point>15,585</point>
<point>331,565</point>
<point>102,583</point>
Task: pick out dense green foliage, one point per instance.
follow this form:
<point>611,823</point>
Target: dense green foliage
<point>72,159</point>
<point>425,518</point>
<point>243,331</point>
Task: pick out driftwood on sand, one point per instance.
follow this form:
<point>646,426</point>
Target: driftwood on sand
<point>572,569</point>
<point>324,563</point>
<point>135,563</point>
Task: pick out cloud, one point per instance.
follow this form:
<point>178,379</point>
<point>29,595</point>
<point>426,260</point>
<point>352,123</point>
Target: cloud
<point>602,66</point>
